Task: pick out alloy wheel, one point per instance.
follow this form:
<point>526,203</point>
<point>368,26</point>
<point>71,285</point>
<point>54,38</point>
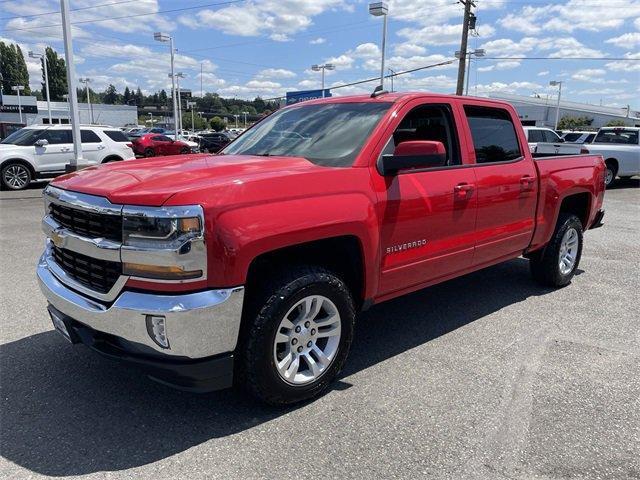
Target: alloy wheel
<point>568,251</point>
<point>307,340</point>
<point>16,176</point>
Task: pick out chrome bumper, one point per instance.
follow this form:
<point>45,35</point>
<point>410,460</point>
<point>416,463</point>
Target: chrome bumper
<point>198,325</point>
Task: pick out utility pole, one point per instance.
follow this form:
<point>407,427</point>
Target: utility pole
<point>463,45</point>
<point>77,159</point>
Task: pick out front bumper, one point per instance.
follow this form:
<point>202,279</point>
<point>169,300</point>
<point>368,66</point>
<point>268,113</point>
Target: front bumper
<point>201,328</point>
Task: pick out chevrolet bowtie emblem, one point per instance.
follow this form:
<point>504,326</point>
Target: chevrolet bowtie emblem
<point>56,238</point>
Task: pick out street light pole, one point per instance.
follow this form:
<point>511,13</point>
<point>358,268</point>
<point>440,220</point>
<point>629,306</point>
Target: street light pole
<point>18,89</point>
<point>161,37</point>
<point>322,68</point>
<point>556,83</point>
<point>381,9</point>
<point>71,82</point>
<point>191,105</point>
<point>86,81</point>
<point>43,58</point>
<point>392,74</point>
<point>245,118</point>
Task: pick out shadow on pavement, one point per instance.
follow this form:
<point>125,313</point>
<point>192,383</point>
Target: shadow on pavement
<point>625,183</point>
<point>67,411</point>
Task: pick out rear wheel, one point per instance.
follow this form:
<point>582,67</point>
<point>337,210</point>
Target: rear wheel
<point>148,152</point>
<point>184,151</point>
<point>296,336</point>
<point>15,176</point>
<point>610,173</point>
<point>556,265</point>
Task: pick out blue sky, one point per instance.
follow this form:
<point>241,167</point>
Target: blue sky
<point>265,47</point>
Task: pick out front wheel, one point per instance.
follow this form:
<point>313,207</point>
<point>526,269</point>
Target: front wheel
<point>15,176</point>
<point>298,337</point>
<point>184,151</point>
<point>556,265</point>
<point>149,152</point>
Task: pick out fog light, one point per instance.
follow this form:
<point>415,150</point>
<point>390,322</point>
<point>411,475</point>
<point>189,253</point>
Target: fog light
<point>157,330</point>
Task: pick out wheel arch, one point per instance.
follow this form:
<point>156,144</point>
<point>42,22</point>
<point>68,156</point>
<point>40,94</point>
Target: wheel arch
<point>112,158</point>
<point>578,204</point>
<point>23,161</point>
<point>343,255</point>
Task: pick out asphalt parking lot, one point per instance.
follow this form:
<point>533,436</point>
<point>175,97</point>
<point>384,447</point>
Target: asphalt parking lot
<point>488,376</point>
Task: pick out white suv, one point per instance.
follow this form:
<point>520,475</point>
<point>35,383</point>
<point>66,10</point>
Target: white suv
<point>43,151</point>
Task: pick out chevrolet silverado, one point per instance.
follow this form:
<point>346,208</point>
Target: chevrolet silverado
<point>250,267</point>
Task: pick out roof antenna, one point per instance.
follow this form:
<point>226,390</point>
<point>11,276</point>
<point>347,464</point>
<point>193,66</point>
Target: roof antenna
<point>378,91</point>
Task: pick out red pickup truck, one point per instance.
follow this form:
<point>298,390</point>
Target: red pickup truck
<point>249,267</point>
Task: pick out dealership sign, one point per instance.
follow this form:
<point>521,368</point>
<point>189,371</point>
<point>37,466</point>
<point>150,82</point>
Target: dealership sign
<point>9,104</point>
<point>303,96</point>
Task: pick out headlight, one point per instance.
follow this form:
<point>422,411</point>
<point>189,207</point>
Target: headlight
<point>154,232</point>
<point>164,243</point>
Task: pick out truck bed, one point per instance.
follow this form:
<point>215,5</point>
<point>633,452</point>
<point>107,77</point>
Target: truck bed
<point>561,176</point>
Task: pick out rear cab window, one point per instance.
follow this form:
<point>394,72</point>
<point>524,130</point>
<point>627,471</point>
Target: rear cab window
<point>620,136</point>
<point>493,133</point>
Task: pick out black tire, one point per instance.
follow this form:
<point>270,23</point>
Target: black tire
<point>264,309</point>
<point>545,265</point>
<point>610,173</point>
<point>184,151</point>
<point>15,176</point>
<point>148,152</point>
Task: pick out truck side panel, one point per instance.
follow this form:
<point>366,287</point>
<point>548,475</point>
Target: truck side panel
<point>561,177</point>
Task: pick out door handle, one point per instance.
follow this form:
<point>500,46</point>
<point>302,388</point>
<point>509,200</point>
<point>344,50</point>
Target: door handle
<point>462,190</point>
<point>101,147</point>
<point>526,183</point>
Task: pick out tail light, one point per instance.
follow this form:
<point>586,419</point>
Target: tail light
<point>130,145</point>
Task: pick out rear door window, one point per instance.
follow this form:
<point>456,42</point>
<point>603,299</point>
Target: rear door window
<point>535,136</point>
<point>89,136</point>
<point>550,137</point>
<point>117,136</point>
<point>494,135</point>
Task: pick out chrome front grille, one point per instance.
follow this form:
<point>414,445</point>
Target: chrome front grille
<point>98,275</point>
<point>86,223</point>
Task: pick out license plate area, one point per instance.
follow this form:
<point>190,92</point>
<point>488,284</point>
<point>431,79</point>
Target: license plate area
<point>62,326</point>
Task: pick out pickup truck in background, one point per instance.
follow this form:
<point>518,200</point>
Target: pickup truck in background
<point>620,148</point>
<point>544,142</point>
<point>249,267</point>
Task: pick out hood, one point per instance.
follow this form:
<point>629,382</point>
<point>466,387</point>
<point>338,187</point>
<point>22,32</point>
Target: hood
<point>153,181</point>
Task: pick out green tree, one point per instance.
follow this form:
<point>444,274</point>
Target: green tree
<point>199,122</point>
<point>569,122</point>
<point>217,124</point>
<point>615,123</point>
<point>57,70</point>
<point>110,96</point>
<point>126,96</point>
<point>139,97</point>
<point>162,97</point>
<point>23,73</point>
<point>9,67</point>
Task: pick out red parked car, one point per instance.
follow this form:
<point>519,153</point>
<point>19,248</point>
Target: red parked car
<point>154,144</point>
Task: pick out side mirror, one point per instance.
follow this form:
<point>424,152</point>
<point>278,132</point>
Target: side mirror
<point>41,143</point>
<point>412,155</point>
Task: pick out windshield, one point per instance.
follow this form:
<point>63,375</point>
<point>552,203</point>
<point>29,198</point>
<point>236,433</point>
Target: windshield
<point>328,134</point>
<point>23,137</point>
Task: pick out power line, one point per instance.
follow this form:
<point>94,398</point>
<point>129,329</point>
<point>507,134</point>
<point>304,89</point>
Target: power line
<point>173,10</point>
<point>617,59</point>
<point>72,10</point>
<point>377,79</point>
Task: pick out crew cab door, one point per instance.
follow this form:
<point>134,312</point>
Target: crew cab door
<point>507,184</point>
<point>57,153</point>
<point>92,146</point>
<point>427,215</point>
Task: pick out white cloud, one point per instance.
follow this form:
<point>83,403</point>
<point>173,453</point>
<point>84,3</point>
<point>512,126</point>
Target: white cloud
<point>543,73</point>
<point>626,66</point>
<point>409,49</point>
<point>627,40</point>
<point>367,50</point>
<point>318,41</point>
<point>276,73</point>
<point>588,74</point>
<point>439,34</point>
